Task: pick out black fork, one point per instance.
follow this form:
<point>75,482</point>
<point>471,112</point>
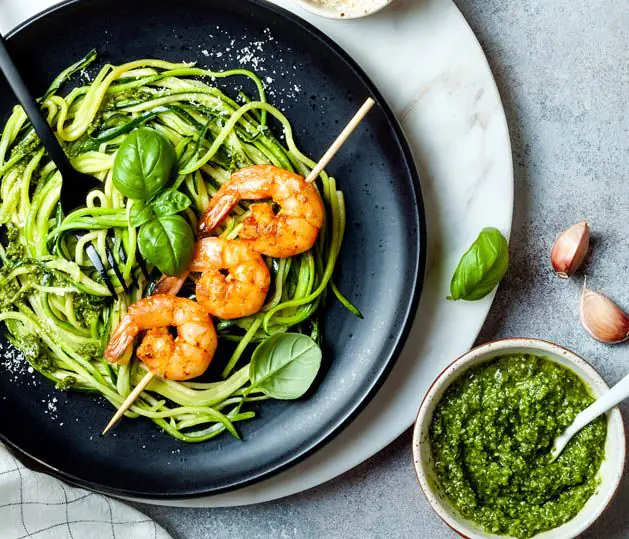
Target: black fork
<point>76,185</point>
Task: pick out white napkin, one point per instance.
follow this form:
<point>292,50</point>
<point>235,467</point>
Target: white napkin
<point>36,505</point>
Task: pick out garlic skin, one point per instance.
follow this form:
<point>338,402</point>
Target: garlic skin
<point>602,318</point>
<point>569,249</point>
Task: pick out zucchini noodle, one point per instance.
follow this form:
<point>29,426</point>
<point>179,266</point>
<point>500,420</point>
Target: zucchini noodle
<point>55,306</point>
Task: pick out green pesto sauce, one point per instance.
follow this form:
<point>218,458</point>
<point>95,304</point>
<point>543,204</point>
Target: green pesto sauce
<point>491,436</point>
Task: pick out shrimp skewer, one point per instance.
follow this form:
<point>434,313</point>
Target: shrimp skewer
<point>293,230</point>
<point>219,209</point>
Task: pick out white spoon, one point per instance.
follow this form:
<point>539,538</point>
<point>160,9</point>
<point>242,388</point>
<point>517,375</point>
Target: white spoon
<point>603,404</point>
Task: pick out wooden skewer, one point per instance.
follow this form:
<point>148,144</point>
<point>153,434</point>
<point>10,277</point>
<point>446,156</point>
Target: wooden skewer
<point>129,401</point>
<point>323,162</point>
<point>340,140</point>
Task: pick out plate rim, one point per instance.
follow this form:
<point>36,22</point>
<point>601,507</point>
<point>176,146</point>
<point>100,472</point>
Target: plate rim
<point>408,314</point>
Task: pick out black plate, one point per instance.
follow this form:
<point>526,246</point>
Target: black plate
<point>381,264</point>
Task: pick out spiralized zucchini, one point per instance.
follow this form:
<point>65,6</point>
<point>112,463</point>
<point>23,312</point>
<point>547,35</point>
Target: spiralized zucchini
<point>56,308</point>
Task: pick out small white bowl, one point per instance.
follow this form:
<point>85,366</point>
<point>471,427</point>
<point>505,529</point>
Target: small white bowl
<point>350,9</point>
<point>611,469</point>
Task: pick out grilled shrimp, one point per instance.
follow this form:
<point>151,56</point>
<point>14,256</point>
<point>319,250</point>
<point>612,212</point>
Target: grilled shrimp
<point>291,231</point>
<point>234,279</point>
<point>239,293</point>
<point>186,356</point>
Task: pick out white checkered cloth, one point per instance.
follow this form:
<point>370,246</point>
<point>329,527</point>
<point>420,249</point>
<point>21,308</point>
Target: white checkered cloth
<point>36,505</point>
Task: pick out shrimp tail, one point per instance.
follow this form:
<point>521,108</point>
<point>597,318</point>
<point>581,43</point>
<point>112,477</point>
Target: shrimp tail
<point>122,338</point>
<point>216,213</point>
<point>170,285</point>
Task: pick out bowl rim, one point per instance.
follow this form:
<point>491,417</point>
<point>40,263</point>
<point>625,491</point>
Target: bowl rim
<point>457,368</point>
<point>330,13</point>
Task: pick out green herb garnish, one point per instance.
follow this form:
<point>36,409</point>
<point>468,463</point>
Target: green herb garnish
<point>482,267</point>
<point>141,172</point>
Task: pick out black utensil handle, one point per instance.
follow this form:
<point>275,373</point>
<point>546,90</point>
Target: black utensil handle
<point>32,109</point>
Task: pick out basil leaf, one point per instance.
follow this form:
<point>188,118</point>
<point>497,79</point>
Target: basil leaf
<point>285,365</point>
<point>140,214</point>
<point>143,163</point>
<point>482,267</point>
<point>169,202</point>
<point>167,242</point>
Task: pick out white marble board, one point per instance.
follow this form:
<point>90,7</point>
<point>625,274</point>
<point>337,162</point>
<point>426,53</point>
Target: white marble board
<point>428,64</point>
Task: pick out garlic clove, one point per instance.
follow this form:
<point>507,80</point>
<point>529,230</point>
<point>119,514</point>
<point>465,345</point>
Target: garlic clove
<point>569,249</point>
<point>602,318</point>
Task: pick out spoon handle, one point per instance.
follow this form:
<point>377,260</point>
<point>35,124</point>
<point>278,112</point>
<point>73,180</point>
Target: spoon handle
<point>32,109</point>
<point>603,404</point>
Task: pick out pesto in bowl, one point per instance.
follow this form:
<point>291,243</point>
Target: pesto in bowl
<point>491,435</point>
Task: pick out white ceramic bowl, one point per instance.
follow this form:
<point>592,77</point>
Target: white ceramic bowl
<point>350,9</point>
<point>611,468</point>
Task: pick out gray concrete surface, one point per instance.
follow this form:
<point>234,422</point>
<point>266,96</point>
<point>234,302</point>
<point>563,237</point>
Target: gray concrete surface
<point>563,72</point>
